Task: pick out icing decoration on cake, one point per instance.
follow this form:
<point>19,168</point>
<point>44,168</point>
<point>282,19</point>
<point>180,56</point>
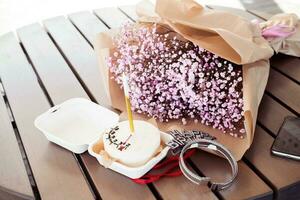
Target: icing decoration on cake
<point>120,145</point>
<point>171,78</point>
<point>132,150</point>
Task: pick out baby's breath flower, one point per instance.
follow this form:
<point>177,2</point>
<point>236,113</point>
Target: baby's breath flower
<point>171,78</point>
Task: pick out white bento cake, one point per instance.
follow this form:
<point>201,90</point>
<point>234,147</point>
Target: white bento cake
<point>133,150</point>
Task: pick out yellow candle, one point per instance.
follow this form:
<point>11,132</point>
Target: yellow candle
<point>128,106</point>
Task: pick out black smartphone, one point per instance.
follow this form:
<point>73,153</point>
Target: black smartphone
<point>287,142</point>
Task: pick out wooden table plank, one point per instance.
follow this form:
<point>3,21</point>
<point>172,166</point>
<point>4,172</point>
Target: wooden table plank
<point>55,170</point>
<point>35,40</point>
<point>287,65</point>
<point>79,54</point>
<point>181,188</point>
<point>112,17</point>
<point>50,65</point>
<point>112,185</point>
<point>283,173</point>
<point>130,12</point>
<point>257,4</point>
<point>89,26</point>
<point>271,114</point>
<point>163,189</point>
<point>86,19</point>
<point>13,177</point>
<point>266,14</point>
<point>284,89</point>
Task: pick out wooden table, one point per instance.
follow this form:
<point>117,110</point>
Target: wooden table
<point>51,62</point>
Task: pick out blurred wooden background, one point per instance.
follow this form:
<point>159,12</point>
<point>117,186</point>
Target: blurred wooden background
<point>17,13</point>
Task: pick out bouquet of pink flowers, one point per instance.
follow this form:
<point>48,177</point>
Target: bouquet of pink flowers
<point>172,78</point>
<point>191,69</point>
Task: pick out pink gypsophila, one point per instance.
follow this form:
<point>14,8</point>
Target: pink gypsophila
<point>171,78</point>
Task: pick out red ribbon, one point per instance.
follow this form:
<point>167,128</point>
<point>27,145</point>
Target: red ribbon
<point>171,163</point>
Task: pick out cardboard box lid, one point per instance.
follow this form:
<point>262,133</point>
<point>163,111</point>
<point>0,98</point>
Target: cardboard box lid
<point>75,123</point>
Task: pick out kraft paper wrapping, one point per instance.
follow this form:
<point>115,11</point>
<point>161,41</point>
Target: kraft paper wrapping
<point>289,45</point>
<point>222,33</point>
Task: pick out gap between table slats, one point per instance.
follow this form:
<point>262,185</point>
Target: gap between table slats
<point>14,179</point>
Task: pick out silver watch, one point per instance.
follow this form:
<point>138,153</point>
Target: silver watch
<point>211,146</point>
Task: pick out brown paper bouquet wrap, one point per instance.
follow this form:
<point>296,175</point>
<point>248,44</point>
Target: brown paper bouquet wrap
<point>224,34</point>
<point>290,25</point>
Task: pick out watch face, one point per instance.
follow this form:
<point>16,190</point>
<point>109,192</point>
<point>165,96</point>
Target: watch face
<point>288,139</point>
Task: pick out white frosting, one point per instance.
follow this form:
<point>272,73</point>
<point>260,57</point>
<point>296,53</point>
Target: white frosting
<point>141,146</point>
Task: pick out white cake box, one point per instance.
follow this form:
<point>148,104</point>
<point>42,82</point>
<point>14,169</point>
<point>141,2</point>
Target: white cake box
<point>77,124</point>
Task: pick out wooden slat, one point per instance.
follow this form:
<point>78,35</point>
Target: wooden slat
<point>113,17</point>
<point>79,54</point>
<point>112,185</point>
<point>11,196</point>
<point>288,65</point>
<point>130,11</point>
<point>13,176</point>
<point>89,25</point>
<point>55,170</point>
<point>284,89</point>
<point>48,65</point>
<point>281,172</point>
<point>272,114</point>
<point>168,184</point>
<point>86,19</point>
<point>262,14</point>
<point>181,188</point>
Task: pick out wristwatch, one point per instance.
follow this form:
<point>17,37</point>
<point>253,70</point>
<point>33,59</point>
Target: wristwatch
<point>210,146</point>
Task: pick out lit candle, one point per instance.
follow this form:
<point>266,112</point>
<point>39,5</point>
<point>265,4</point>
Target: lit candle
<point>128,106</point>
